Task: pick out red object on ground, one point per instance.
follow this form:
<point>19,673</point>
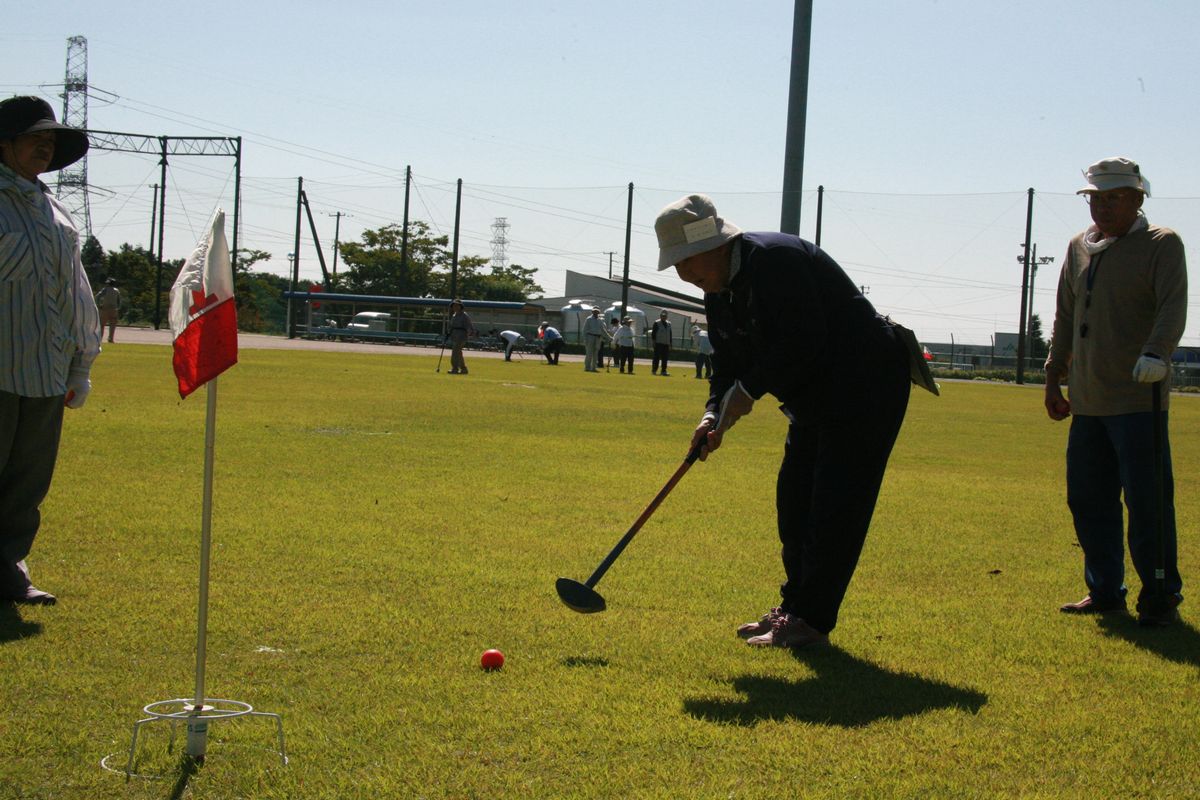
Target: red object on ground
<point>491,659</point>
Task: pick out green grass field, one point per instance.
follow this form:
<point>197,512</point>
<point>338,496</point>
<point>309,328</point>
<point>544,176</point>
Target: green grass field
<point>378,525</point>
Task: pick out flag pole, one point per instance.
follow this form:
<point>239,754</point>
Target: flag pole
<point>197,729</point>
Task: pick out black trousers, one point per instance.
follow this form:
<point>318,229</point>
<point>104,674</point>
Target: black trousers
<point>825,498</point>
<point>625,357</point>
<point>662,352</point>
<point>30,428</point>
<point>703,363</point>
<point>552,350</point>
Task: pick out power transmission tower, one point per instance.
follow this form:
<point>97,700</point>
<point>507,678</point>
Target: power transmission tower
<point>500,243</point>
<point>72,180</point>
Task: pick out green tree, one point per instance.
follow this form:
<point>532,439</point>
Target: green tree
<point>374,264</point>
<point>1038,345</point>
<point>259,307</point>
<point>92,255</point>
<point>373,267</point>
<point>136,274</point>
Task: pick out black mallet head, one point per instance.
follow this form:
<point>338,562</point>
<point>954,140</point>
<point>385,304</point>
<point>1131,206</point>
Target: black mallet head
<point>579,596</point>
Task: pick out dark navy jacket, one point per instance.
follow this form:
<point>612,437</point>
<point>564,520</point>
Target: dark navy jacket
<point>794,325</point>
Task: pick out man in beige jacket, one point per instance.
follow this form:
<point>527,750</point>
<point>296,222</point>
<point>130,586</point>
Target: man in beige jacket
<point>1122,305</point>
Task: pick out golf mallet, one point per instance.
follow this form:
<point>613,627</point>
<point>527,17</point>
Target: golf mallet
<point>1160,569</point>
<point>442,352</point>
<point>583,597</point>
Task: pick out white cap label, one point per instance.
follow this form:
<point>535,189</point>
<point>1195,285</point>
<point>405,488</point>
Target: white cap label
<point>700,229</point>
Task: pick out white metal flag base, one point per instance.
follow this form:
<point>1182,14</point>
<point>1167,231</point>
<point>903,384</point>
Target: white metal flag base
<point>201,710</point>
<point>196,718</point>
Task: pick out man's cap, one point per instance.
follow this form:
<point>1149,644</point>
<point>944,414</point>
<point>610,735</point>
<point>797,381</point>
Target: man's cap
<point>1115,173</point>
<point>688,227</point>
<point>23,114</point>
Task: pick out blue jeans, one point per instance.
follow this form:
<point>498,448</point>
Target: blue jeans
<point>1108,457</point>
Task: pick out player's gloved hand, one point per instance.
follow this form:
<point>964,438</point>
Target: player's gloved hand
<point>735,404</point>
<point>1149,369</point>
<point>78,386</point>
<point>705,436</point>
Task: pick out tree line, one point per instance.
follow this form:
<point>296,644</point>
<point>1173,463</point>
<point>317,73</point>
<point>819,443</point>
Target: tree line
<point>374,265</point>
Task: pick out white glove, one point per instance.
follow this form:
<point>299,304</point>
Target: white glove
<point>78,386</point>
<point>736,403</point>
<point>1149,369</point>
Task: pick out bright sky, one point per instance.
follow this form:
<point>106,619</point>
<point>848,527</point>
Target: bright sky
<point>928,122</point>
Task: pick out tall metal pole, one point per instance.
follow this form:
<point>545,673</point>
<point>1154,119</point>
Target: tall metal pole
<point>1024,290</point>
<point>153,219</point>
<point>628,230</point>
<point>1033,265</point>
<point>162,224</point>
<point>454,263</point>
<point>793,156</point>
<point>404,233</point>
<point>295,258</point>
<point>337,229</point>
<point>820,211</point>
<point>237,200</point>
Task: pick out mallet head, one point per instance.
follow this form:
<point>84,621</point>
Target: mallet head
<point>579,596</point>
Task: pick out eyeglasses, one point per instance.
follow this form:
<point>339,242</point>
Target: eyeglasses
<point>1110,198</point>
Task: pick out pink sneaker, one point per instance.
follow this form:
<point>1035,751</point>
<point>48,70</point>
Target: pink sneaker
<point>761,625</point>
<point>789,630</point>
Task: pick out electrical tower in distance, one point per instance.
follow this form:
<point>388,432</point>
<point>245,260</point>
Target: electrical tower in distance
<point>500,243</point>
<point>72,180</point>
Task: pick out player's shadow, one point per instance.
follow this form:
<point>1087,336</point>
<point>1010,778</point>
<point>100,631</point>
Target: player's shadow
<point>846,691</point>
<point>1179,642</point>
<point>12,627</point>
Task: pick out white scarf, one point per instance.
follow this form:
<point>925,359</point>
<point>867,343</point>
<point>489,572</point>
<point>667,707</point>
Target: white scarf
<point>1094,241</point>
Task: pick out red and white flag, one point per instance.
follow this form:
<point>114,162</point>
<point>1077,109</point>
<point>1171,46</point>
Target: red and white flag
<point>203,314</point>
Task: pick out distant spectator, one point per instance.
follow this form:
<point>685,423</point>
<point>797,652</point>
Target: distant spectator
<point>109,302</point>
<point>552,342</point>
<point>623,342</point>
<point>460,327</point>
<point>613,324</point>
<point>593,339</point>
<point>512,340</point>
<point>660,338</point>
<point>704,350</point>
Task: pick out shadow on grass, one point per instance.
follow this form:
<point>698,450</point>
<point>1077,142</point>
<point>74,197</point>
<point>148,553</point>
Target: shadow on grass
<point>188,767</point>
<point>846,691</point>
<point>585,661</point>
<point>1179,642</point>
<point>12,627</point>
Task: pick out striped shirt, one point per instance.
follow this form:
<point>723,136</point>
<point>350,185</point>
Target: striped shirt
<point>49,325</point>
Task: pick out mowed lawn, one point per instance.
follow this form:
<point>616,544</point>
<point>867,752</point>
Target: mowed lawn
<point>377,525</point>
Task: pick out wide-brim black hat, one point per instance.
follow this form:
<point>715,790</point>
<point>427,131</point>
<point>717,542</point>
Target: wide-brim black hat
<point>26,114</point>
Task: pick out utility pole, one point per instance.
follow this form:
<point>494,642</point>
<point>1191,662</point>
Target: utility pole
<point>153,218</point>
<point>337,229</point>
<point>404,233</point>
<point>1033,263</point>
<point>1024,291</point>
<point>797,113</point>
<point>610,254</point>
<point>628,231</point>
<point>457,220</point>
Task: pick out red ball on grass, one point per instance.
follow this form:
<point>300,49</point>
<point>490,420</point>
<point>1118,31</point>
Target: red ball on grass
<point>491,659</point>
